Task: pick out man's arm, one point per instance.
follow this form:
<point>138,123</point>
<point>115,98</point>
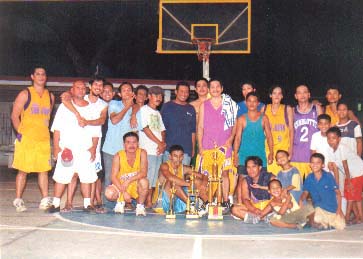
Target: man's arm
<point>56,147</point>
<point>100,121</point>
<point>200,129</point>
<point>339,201</point>
<point>92,149</point>
<point>290,119</point>
<point>161,143</point>
<point>246,199</point>
<point>164,169</point>
<point>303,197</point>
<point>268,134</point>
<point>116,117</point>
<point>66,99</point>
<point>237,139</point>
<point>18,107</point>
<point>114,171</point>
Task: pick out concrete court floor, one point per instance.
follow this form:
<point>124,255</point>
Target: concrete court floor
<point>35,234</point>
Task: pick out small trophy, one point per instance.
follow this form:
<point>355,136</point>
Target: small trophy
<point>191,211</point>
<point>171,213</point>
<point>215,211</point>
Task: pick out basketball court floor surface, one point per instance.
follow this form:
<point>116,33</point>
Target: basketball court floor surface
<point>35,234</point>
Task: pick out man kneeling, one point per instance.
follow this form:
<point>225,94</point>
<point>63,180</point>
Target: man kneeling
<point>128,176</point>
<point>173,171</point>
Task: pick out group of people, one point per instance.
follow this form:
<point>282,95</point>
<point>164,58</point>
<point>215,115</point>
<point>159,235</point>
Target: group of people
<point>281,164</point>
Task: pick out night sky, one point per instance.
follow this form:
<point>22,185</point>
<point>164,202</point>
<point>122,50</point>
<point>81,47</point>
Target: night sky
<point>312,42</point>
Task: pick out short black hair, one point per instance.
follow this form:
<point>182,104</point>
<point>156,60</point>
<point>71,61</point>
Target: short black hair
<point>332,86</point>
<point>274,181</point>
<point>343,103</point>
<point>215,79</point>
<point>130,134</point>
<point>335,130</point>
<point>184,83</point>
<point>255,159</point>
<point>324,116</point>
<point>37,67</point>
<point>96,78</point>
<point>252,94</point>
<point>282,151</point>
<point>318,155</point>
<point>141,87</point>
<point>108,83</point>
<point>176,148</point>
<point>274,86</point>
<point>249,82</point>
<point>299,85</point>
<point>125,83</point>
<point>200,79</point>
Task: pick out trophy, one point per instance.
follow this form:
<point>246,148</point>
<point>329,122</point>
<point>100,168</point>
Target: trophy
<point>171,213</point>
<point>215,211</point>
<point>192,196</point>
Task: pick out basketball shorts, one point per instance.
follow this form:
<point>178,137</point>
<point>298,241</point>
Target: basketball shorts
<point>303,168</point>
<point>355,192</point>
<point>81,165</point>
<point>131,190</point>
<point>32,156</point>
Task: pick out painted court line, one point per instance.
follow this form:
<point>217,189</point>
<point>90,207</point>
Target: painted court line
<point>198,239</point>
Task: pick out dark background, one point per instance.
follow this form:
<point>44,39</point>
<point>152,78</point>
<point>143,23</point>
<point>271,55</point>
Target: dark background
<point>313,42</point>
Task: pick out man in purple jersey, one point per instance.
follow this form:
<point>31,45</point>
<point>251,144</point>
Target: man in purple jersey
<point>305,125</point>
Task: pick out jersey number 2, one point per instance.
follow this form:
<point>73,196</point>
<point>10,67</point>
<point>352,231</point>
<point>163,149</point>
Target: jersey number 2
<point>304,134</point>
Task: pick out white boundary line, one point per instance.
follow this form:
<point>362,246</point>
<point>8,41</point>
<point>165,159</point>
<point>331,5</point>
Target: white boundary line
<point>196,243</point>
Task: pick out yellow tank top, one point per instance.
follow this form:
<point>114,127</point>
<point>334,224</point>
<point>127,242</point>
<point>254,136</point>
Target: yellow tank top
<point>333,116</point>
<point>34,120</point>
<point>279,128</point>
<point>126,170</point>
<point>179,173</point>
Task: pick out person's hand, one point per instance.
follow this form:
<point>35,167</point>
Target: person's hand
<point>66,97</point>
<point>201,150</point>
<point>284,193</point>
<point>161,148</point>
<point>129,101</point>
<point>124,186</point>
<point>82,122</point>
<point>56,151</point>
<point>235,159</point>
<point>332,166</point>
<point>92,150</point>
<point>133,122</point>
<point>270,158</point>
<point>349,184</point>
<point>256,186</point>
<point>340,213</point>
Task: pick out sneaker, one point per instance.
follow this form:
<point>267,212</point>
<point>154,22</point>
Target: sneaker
<point>140,210</point>
<point>300,226</point>
<point>120,207</point>
<point>52,209</point>
<point>226,206</point>
<point>251,218</point>
<point>19,205</point>
<point>45,203</point>
<point>203,209</point>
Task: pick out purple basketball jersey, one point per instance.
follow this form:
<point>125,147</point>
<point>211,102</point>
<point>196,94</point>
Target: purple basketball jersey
<point>305,125</point>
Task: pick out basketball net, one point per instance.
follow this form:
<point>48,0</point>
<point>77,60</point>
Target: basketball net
<point>203,52</point>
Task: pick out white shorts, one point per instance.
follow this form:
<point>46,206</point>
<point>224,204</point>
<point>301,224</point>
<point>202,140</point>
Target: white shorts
<point>97,163</point>
<point>81,165</point>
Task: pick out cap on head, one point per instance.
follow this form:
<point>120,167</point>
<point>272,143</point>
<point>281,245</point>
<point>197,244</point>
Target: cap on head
<point>156,90</point>
<point>67,157</point>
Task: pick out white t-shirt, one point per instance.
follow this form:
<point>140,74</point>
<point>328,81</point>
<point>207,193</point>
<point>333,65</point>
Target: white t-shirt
<point>350,132</point>
<point>96,109</point>
<point>320,144</point>
<point>343,152</point>
<point>150,118</point>
<point>73,136</point>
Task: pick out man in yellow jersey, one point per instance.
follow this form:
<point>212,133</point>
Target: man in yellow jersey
<point>128,176</point>
<point>30,117</point>
<point>173,172</point>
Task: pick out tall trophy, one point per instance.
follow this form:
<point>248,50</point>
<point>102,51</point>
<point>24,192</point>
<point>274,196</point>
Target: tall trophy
<point>215,211</point>
<point>192,198</point>
<point>171,213</point>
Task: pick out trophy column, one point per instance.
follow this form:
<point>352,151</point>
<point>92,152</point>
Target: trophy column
<point>215,210</point>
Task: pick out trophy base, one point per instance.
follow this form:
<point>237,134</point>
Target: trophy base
<point>215,213</point>
<point>191,216</point>
<point>170,216</point>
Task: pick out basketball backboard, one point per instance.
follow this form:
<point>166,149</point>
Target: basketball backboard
<point>226,22</point>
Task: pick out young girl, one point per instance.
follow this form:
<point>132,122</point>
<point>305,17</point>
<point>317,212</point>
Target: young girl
<point>289,176</point>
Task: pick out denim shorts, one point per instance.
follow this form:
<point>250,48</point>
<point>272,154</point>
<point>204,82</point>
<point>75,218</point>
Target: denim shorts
<point>154,163</point>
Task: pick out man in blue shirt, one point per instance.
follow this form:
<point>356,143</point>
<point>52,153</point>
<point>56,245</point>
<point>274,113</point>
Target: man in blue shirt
<point>325,195</point>
<point>247,88</point>
<point>180,122</point>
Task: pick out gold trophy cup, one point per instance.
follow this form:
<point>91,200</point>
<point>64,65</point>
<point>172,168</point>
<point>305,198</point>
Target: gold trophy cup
<point>193,195</point>
<point>215,211</point>
<point>171,213</point>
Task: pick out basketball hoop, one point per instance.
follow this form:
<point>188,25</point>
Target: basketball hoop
<point>204,47</point>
